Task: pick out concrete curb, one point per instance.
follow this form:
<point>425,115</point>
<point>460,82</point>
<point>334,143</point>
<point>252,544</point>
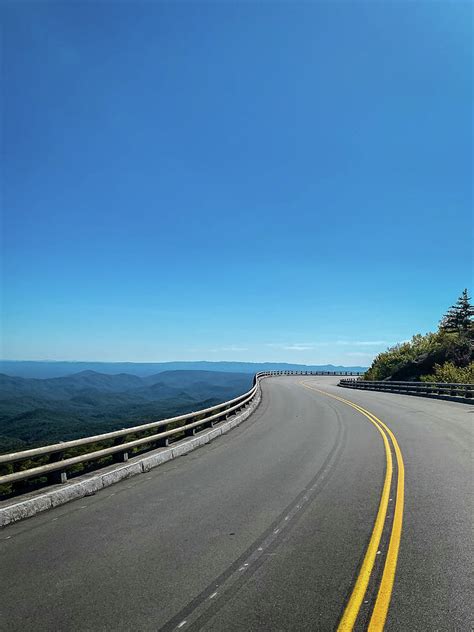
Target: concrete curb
<point>91,483</point>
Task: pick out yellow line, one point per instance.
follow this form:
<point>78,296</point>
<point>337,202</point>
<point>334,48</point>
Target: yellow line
<point>352,609</point>
<point>382,602</point>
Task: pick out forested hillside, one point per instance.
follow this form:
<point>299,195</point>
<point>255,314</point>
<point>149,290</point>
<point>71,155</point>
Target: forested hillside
<point>41,411</point>
<point>446,355</point>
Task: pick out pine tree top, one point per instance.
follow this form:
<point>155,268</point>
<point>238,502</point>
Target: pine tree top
<point>459,317</point>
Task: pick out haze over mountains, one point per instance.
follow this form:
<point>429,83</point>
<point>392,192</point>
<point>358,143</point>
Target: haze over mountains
<point>45,369</point>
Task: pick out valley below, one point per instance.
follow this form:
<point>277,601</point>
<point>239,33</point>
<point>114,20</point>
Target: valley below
<point>36,412</point>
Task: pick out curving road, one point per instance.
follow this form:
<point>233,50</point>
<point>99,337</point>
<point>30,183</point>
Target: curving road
<point>267,528</point>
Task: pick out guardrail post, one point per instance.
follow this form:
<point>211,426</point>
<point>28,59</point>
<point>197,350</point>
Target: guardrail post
<point>122,456</point>
<point>190,432</point>
<point>58,476</point>
<point>19,485</point>
<point>164,441</point>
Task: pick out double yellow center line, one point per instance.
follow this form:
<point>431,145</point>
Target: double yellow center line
<point>382,602</point>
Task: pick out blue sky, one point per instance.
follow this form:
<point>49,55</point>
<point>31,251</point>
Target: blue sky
<point>233,181</point>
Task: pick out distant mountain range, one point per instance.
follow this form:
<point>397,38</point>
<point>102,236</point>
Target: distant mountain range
<point>38,411</point>
<point>52,369</point>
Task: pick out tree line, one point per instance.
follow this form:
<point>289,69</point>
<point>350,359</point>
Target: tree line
<point>446,355</point>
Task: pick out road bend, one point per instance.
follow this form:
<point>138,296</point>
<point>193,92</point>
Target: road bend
<point>328,509</point>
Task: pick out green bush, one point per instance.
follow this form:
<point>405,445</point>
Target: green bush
<point>450,373</point>
<point>443,356</point>
<point>388,362</point>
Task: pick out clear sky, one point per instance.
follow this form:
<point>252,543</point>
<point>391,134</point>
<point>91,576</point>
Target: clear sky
<point>233,181</point>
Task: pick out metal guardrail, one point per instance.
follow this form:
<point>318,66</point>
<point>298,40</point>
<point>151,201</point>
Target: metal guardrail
<point>440,390</point>
<point>55,461</point>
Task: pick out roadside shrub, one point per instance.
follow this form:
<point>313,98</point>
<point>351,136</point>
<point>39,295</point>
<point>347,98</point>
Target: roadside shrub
<point>450,373</point>
<point>389,362</point>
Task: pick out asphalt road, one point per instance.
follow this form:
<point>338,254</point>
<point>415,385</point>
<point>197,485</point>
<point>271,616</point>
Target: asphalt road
<point>266,528</point>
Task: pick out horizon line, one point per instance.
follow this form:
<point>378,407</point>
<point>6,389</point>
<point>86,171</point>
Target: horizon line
<point>176,361</point>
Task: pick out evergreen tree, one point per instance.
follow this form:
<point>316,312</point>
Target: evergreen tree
<point>459,317</point>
